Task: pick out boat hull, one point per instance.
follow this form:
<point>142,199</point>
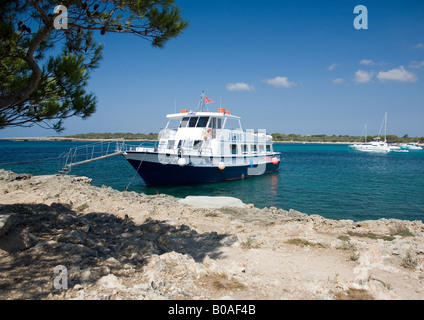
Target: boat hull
<point>372,150</point>
<point>155,172</point>
<point>379,148</point>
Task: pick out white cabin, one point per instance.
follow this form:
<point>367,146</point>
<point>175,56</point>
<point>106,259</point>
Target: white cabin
<point>211,134</point>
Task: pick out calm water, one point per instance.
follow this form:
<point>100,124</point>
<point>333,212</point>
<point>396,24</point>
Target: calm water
<point>330,180</point>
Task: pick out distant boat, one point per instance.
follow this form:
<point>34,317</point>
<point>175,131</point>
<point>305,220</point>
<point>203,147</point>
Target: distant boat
<point>411,146</point>
<point>376,145</point>
<point>395,147</point>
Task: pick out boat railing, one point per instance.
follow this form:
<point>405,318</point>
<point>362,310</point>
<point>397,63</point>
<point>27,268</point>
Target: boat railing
<point>247,136</point>
<point>144,146</point>
<point>97,151</point>
<point>185,150</point>
<point>88,153</point>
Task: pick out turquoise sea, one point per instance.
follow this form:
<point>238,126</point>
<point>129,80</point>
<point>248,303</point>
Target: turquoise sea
<point>326,179</point>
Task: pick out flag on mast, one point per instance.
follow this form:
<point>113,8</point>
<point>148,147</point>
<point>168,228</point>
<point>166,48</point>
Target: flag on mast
<point>207,100</point>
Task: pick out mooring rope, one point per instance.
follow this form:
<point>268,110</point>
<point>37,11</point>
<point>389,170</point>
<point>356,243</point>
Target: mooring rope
<point>136,172</point>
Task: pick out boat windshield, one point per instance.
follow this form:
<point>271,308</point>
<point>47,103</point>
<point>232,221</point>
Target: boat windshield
<point>215,123</point>
<point>184,122</point>
<point>203,121</point>
<point>192,122</point>
<point>173,124</point>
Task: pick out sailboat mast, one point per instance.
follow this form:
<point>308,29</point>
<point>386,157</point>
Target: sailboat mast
<point>385,127</point>
<point>366,133</point>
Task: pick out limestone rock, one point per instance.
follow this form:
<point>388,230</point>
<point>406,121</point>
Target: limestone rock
<point>212,202</point>
<point>124,245</point>
<point>6,221</point>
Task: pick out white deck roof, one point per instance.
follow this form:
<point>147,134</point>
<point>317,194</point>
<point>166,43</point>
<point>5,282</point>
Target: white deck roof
<point>175,116</point>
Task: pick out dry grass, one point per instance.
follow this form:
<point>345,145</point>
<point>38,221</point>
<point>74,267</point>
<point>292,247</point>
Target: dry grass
<point>298,242</point>
<point>403,232</point>
<point>250,243</point>
<point>409,261</point>
<point>221,281</point>
<point>371,235</point>
<point>353,294</point>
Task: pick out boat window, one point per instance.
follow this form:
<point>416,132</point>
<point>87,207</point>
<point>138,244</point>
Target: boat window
<point>232,124</point>
<point>184,122</point>
<point>187,143</point>
<point>173,124</point>
<point>203,121</point>
<point>244,148</point>
<point>233,149</point>
<point>253,148</point>
<point>216,123</point>
<point>261,148</point>
<point>268,148</point>
<point>171,144</point>
<point>192,122</point>
<point>197,144</point>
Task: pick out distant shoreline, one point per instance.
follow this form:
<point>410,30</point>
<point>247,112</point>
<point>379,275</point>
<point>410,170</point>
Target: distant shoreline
<point>122,139</point>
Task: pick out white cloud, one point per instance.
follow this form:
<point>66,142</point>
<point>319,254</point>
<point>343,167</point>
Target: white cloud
<point>281,82</point>
<point>333,66</point>
<point>338,81</point>
<point>366,62</point>
<point>239,86</point>
<point>398,74</point>
<point>416,64</point>
<point>362,76</point>
<point>419,46</point>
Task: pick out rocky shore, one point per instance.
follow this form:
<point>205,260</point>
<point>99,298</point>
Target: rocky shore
<point>62,238</point>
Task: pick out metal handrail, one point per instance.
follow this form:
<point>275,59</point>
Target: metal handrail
<point>88,153</point>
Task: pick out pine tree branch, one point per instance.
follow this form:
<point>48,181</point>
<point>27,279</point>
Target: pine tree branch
<point>24,93</point>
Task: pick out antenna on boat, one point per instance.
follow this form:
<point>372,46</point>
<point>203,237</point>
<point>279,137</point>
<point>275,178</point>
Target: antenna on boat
<point>202,103</point>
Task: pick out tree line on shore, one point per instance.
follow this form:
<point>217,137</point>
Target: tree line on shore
<point>342,138</point>
<point>276,137</point>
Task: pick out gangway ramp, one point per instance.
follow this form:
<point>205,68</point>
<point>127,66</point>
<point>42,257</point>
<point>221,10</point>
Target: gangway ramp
<point>89,153</point>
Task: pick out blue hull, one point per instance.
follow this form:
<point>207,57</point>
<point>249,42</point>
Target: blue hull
<point>154,173</point>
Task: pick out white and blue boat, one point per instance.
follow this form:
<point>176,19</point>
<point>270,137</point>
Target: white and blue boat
<point>203,147</point>
<point>411,146</point>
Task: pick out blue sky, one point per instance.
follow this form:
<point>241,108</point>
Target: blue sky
<point>284,66</point>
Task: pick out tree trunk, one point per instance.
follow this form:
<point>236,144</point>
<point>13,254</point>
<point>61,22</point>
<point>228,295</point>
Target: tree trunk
<point>24,93</point>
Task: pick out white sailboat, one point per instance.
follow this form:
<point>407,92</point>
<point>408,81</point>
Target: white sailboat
<point>376,145</point>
